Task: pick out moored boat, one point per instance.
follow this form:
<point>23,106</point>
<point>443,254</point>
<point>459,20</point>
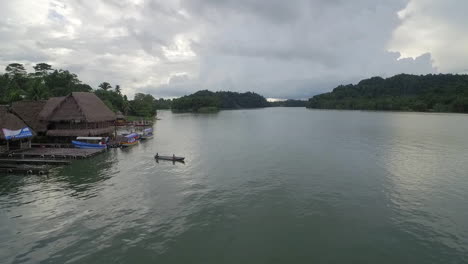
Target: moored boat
<point>90,142</point>
<point>147,134</point>
<point>130,140</point>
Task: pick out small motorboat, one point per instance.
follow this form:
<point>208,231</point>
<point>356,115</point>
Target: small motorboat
<point>147,134</point>
<point>90,142</point>
<point>171,158</point>
<point>129,140</point>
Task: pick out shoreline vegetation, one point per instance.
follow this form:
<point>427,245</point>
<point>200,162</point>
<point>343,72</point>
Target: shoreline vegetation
<point>208,102</point>
<point>289,103</point>
<point>404,92</point>
<point>16,84</point>
<point>211,102</point>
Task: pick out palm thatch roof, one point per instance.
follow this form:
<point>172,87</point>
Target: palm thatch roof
<point>81,106</point>
<point>29,111</point>
<point>80,132</point>
<point>49,107</point>
<point>9,121</point>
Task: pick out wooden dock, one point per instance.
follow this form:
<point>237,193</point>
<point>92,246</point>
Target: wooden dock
<point>53,153</point>
<point>23,168</point>
<point>41,160</point>
<point>34,161</point>
<point>51,145</point>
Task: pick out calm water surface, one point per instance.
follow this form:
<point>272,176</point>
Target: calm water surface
<point>259,186</point>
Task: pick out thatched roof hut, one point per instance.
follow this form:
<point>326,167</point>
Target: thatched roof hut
<point>78,114</point>
<point>29,111</point>
<point>77,106</point>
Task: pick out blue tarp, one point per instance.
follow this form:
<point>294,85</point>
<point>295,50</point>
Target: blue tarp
<point>17,134</point>
<point>132,135</point>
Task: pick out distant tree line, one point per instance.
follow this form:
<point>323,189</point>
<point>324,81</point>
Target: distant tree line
<point>404,92</point>
<point>17,84</point>
<point>289,103</point>
<point>212,101</point>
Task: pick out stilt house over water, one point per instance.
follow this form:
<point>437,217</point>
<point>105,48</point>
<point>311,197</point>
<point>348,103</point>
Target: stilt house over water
<point>78,114</point>
<point>14,133</point>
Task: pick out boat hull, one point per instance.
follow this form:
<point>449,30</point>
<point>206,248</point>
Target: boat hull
<point>171,158</point>
<point>128,144</point>
<point>84,145</point>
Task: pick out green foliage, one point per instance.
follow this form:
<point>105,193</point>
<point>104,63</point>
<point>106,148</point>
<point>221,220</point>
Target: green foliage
<point>289,103</point>
<point>143,105</point>
<point>215,100</point>
<point>162,103</point>
<point>233,100</point>
<point>42,69</point>
<point>62,83</point>
<point>15,69</point>
<point>404,92</point>
<point>36,90</point>
<point>112,99</point>
<point>16,84</point>
<point>117,89</point>
<point>105,86</point>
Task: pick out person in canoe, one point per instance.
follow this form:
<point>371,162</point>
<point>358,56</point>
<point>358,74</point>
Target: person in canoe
<point>157,155</point>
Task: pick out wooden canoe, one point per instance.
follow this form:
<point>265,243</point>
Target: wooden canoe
<point>171,158</point>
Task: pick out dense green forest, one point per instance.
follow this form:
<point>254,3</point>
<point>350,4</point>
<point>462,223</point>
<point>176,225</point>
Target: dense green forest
<point>211,101</point>
<point>404,92</point>
<point>289,103</point>
<point>17,84</point>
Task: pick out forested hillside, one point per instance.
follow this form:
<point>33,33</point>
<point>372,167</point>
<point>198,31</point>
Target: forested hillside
<point>404,92</point>
<point>212,101</point>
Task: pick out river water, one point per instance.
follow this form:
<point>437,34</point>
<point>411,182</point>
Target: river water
<point>277,185</point>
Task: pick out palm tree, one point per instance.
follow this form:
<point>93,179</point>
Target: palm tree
<point>117,89</point>
<point>105,86</point>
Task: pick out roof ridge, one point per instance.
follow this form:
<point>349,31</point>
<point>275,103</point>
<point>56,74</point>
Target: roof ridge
<point>79,104</point>
<point>63,99</point>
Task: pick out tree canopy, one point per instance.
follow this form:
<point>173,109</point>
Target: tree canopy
<point>106,86</point>
<point>404,92</point>
<point>289,103</point>
<point>218,100</point>
<point>17,84</point>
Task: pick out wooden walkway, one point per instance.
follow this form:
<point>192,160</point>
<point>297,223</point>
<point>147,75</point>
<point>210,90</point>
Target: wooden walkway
<point>24,169</point>
<point>51,145</point>
<point>41,160</point>
<point>53,153</point>
<point>34,161</point>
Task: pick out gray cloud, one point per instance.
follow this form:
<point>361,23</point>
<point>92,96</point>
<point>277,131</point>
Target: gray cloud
<point>438,27</point>
<point>282,49</point>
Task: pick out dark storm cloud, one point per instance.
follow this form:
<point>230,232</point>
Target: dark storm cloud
<point>286,49</point>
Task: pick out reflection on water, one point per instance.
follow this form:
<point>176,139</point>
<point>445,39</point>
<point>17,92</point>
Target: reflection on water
<point>259,186</point>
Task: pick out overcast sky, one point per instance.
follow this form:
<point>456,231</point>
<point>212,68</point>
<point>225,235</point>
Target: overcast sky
<point>278,48</point>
